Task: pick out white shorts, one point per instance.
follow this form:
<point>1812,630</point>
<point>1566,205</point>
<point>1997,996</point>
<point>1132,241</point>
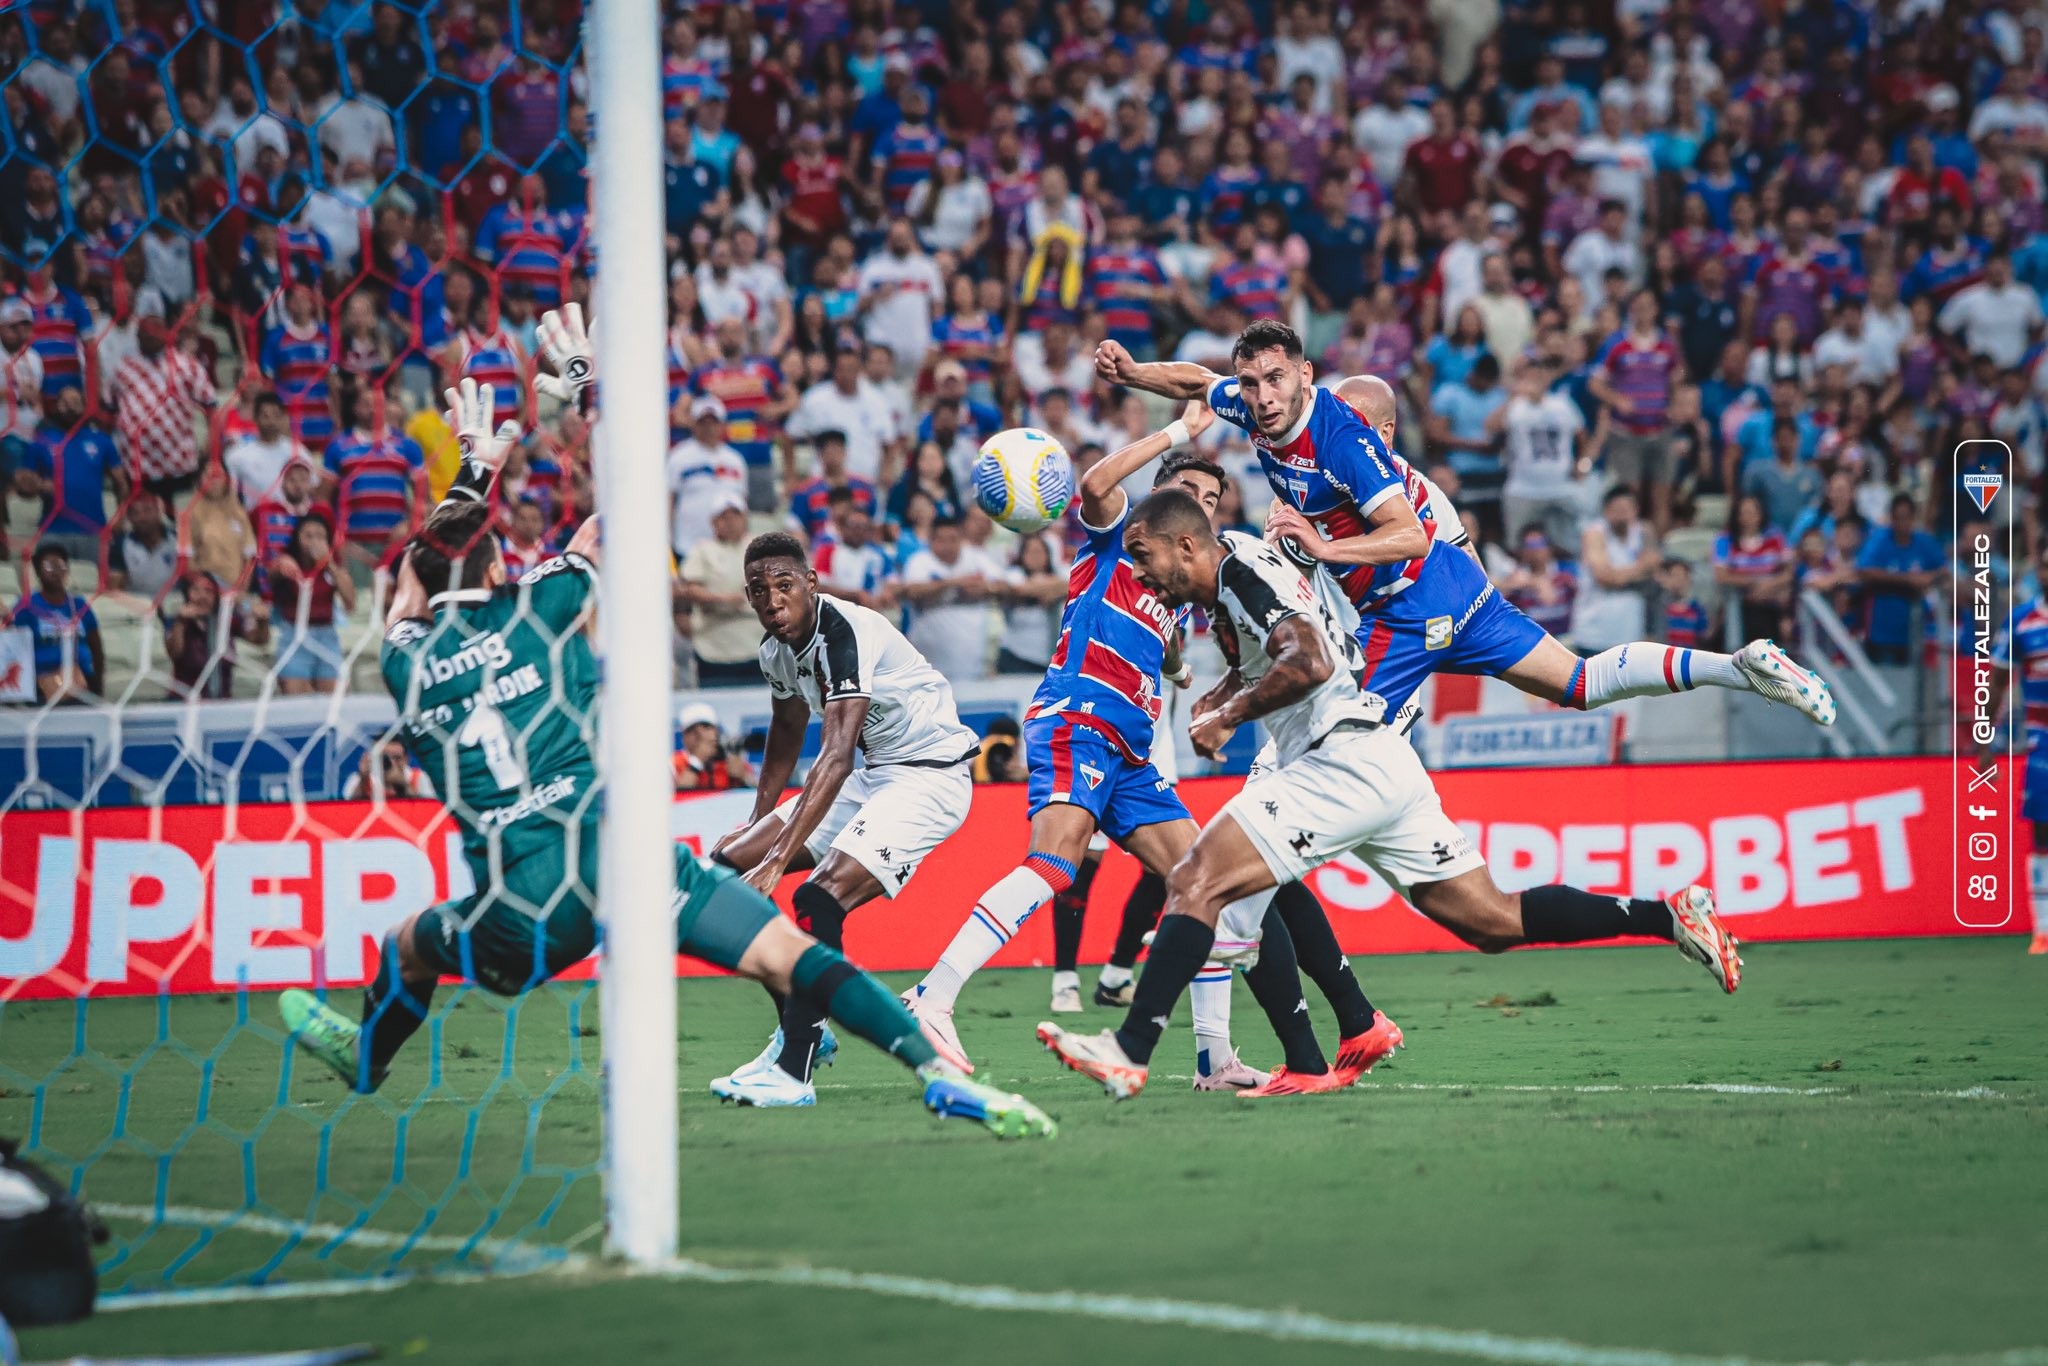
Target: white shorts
<point>1268,757</point>
<point>887,819</point>
<point>1360,792</point>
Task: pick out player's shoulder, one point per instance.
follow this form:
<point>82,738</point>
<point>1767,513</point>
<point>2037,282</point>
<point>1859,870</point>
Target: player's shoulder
<point>568,562</point>
<point>843,621</point>
<point>1251,561</point>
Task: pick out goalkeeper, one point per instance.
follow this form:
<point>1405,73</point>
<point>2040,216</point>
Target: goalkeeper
<point>495,685</point>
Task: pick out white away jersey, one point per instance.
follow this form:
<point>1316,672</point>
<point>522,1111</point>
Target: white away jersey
<point>854,652</point>
<point>1256,591</point>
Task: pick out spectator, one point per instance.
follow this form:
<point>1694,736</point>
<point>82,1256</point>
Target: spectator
<point>298,359</point>
<point>900,289</point>
<point>159,393</point>
<point>258,461</point>
<point>1686,623</point>
<point>1753,566</point>
<point>724,635</point>
<point>755,399</point>
<point>305,591</point>
<point>275,518</point>
<point>1460,420</point>
<point>70,660</point>
<point>1033,592</point>
<point>1897,569</point>
<point>929,473</point>
<point>948,586</point>
<point>524,544</point>
<point>1618,560</point>
<point>68,470</point>
<point>1544,444</point>
<point>1785,484</point>
<point>377,476</point>
<point>847,559</point>
<point>142,555</point>
<point>810,502</point>
<point>1996,317</point>
<point>21,388</point>
<point>1604,247</point>
<point>1509,322</point>
<point>702,470</point>
<point>1634,379</point>
<point>200,640</point>
<point>846,405</point>
<point>704,762</point>
<point>1540,586</point>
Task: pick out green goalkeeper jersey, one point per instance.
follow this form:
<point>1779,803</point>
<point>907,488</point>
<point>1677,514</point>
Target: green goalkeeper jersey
<point>495,698</point>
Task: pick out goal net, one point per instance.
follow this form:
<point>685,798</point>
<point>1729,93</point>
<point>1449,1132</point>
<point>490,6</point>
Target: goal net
<point>224,348</point>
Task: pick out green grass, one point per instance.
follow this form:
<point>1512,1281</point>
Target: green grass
<point>1881,1219</point>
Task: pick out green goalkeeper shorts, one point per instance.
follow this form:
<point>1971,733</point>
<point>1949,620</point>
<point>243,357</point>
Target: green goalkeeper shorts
<point>535,919</point>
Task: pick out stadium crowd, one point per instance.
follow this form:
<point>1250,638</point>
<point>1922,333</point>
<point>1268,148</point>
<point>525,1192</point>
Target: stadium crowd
<point>1688,302</point>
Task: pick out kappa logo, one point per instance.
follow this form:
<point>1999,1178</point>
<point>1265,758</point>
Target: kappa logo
<point>1272,808</point>
<point>1275,613</point>
<point>1436,635</point>
<point>1092,774</point>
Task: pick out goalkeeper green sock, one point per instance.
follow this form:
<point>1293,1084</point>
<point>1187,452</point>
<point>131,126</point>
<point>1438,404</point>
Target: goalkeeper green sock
<point>856,1001</point>
<point>393,1009</point>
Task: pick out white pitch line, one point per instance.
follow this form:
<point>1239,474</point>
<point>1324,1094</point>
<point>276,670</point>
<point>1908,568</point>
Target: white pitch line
<point>1278,1325</point>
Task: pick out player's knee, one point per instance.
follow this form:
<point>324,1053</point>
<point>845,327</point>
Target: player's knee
<point>820,912</point>
<point>1191,889</point>
<point>1491,924</point>
<point>412,966</point>
<point>772,957</point>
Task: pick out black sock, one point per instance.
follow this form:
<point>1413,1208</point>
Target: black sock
<point>393,1009</point>
<point>1069,912</point>
<point>1178,952</point>
<point>1566,915</point>
<point>1322,962</point>
<point>1275,981</point>
<point>1141,913</point>
<point>803,1023</point>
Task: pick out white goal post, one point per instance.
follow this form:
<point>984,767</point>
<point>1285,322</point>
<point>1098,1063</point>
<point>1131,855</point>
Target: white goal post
<point>637,881</point>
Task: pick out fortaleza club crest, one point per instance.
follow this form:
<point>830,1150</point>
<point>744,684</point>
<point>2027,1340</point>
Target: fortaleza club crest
<point>1982,487</point>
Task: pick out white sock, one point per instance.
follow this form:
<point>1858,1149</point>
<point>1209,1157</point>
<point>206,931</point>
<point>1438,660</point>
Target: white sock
<point>1209,998</point>
<point>2037,874</point>
<point>1114,976</point>
<point>1646,669</point>
<point>995,918</point>
<point>1063,981</point>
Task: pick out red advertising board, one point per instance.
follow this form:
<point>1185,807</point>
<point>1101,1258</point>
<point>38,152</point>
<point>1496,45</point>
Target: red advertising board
<point>203,898</point>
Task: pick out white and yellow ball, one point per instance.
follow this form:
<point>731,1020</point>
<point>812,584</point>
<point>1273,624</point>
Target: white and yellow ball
<point>1023,479</point>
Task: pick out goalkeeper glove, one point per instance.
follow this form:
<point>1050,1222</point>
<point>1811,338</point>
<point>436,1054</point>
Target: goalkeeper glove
<point>567,347</point>
<point>470,409</point>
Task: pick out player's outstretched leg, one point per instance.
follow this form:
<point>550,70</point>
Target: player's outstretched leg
<point>994,921</point>
<point>727,923</point>
<point>395,1004</point>
<point>1141,912</point>
<point>1474,909</point>
<point>826,1050</point>
<point>1646,669</point>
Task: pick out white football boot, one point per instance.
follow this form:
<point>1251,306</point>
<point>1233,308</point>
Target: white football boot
<point>768,1088</point>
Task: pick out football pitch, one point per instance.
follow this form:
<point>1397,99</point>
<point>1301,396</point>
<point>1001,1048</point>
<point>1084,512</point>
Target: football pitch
<point>1583,1158</point>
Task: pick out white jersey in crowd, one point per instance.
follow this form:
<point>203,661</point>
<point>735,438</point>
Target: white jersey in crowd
<point>1256,591</point>
<point>1607,617</point>
<point>854,652</point>
<point>1541,446</point>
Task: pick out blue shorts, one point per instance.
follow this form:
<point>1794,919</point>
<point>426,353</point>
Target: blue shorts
<point>1450,621</point>
<point>1078,764</point>
<point>2034,796</point>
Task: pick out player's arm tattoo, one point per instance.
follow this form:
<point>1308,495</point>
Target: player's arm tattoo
<point>789,718</point>
<point>1300,664</point>
<point>844,717</point>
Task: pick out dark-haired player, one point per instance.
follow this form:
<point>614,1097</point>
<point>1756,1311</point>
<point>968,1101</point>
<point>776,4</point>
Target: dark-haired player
<point>1422,609</point>
<point>862,831</point>
<point>1425,606</point>
<point>1346,782</point>
<point>495,685</point>
<point>1088,737</point>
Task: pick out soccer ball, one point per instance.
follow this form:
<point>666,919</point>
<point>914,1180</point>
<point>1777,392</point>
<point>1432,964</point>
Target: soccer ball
<point>1023,479</point>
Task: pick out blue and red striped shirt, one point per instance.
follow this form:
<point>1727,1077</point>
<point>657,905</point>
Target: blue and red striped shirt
<point>299,363</point>
<point>2023,648</point>
<point>1257,289</point>
<point>1643,374</point>
<point>531,249</point>
<point>1227,192</point>
<point>376,471</point>
<point>960,341</point>
<point>58,325</point>
<point>494,358</point>
<point>746,387</point>
<point>1685,624</point>
<point>907,153</point>
<point>1118,278</point>
<point>1105,670</point>
<point>811,504</point>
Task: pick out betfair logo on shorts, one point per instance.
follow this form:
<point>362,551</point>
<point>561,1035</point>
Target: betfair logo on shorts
<point>487,651</point>
<point>546,795</point>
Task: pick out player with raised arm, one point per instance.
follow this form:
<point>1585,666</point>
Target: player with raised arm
<point>2022,648</point>
<point>1089,733</point>
<point>496,685</point>
<point>1421,609</point>
<point>1345,782</point>
<point>862,831</point>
